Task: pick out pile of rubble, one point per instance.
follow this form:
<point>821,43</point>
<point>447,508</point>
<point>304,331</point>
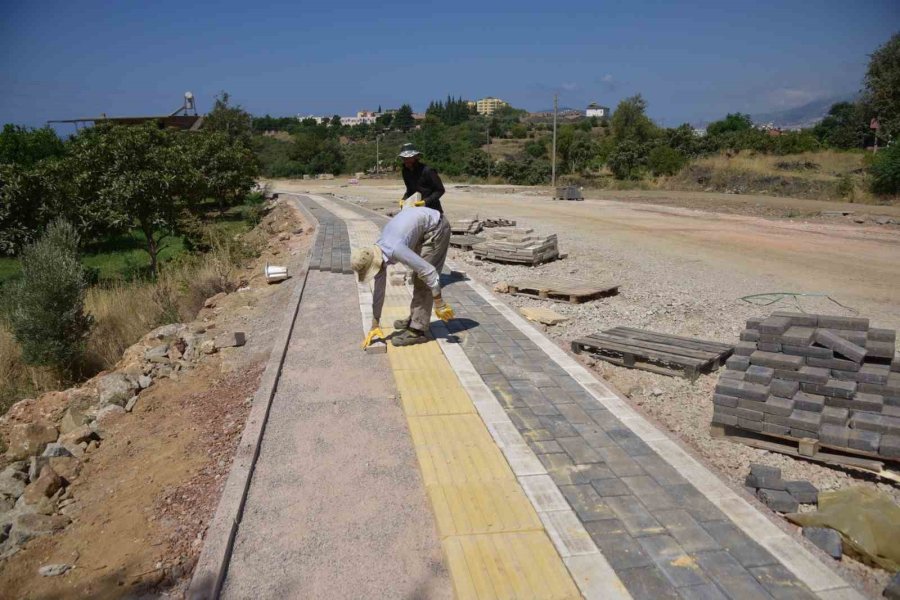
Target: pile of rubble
<point>45,452</point>
<point>517,245</point>
<point>832,379</point>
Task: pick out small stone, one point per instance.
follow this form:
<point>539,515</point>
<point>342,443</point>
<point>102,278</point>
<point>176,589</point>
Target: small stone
<point>73,419</point>
<point>54,450</point>
<point>284,236</point>
<point>892,591</point>
<point>129,406</point>
<point>53,570</point>
<point>114,388</point>
<point>13,480</point>
<point>208,347</point>
<point>827,539</point>
<point>67,467</point>
<point>82,434</point>
<point>144,381</point>
<point>231,340</point>
<point>30,439</point>
<point>502,288</point>
<point>43,487</point>
<point>92,446</point>
<point>108,413</point>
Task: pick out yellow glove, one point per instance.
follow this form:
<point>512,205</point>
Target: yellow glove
<point>375,332</point>
<point>443,311</point>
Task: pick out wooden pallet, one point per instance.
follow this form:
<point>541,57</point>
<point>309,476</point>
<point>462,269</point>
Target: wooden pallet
<point>465,242</point>
<point>656,352</point>
<point>809,449</point>
<point>573,291</point>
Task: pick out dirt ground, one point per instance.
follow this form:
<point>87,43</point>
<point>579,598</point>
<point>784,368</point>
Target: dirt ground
<point>145,496</point>
<point>684,261</point>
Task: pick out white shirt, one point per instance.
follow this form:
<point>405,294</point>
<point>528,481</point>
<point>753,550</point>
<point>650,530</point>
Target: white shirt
<point>403,234</point>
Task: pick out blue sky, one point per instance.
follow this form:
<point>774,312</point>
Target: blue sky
<point>691,61</point>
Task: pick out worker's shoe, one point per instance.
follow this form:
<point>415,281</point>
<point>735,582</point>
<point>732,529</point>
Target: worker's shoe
<point>401,324</point>
<point>409,337</point>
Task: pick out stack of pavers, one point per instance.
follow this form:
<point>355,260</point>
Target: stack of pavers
<point>517,245</point>
<point>498,222</point>
<point>463,226</point>
<point>801,376</point>
<point>779,495</point>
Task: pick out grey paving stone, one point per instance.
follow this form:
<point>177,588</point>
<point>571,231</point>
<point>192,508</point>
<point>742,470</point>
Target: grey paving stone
<point>670,558</point>
<point>784,388</point>
<point>707,591</point>
<point>760,375</point>
<point>834,415</point>
<point>808,402</point>
<point>742,389</point>
<point>575,415</point>
<point>564,472</point>
<point>594,435</point>
<point>661,471</point>
<point>556,395</point>
<point>523,418</point>
<point>611,487</point>
<point>620,550</point>
<point>545,447</point>
<point>648,583</point>
<point>804,374</point>
<point>537,435</point>
<point>637,520</point>
<point>586,503</point>
<point>731,576</point>
<point>777,405</point>
<point>778,500</point>
<point>606,528</point>
<point>849,323</point>
<point>692,500</point>
<point>777,360</point>
<point>774,325</point>
<point>749,335</point>
<point>827,539</point>
<point>620,462</point>
<point>579,450</point>
<point>781,583</point>
<point>558,426</point>
<point>686,530</point>
<point>861,439</point>
<point>651,494</point>
<point>543,408</point>
<point>605,419</point>
<point>738,544</point>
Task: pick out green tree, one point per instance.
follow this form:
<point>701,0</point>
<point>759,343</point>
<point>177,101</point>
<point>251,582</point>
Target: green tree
<point>883,86</point>
<point>731,122</point>
<point>629,121</point>
<point>227,168</point>
<point>536,149</point>
<point>843,127</point>
<point>663,160</point>
<point>47,316</point>
<point>384,120</point>
<point>885,171</point>
<point>26,147</point>
<point>628,160</point>
<point>403,118</point>
<point>232,120</point>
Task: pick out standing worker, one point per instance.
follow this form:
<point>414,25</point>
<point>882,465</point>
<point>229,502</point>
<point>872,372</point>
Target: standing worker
<point>415,230</point>
<point>421,178</point>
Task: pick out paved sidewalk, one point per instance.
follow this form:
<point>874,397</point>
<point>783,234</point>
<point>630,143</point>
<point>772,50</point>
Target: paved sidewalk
<point>337,507</point>
<point>630,513</point>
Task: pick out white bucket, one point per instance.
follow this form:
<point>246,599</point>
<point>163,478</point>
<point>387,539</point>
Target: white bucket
<point>274,274</point>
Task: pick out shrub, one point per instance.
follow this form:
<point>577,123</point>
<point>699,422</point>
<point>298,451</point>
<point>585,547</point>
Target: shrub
<point>628,160</point>
<point>885,171</point>
<point>664,160</point>
<point>48,317</point>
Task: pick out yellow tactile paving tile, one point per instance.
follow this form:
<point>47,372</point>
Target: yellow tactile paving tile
<point>421,357</point>
<point>508,565</point>
<point>449,430</point>
<point>470,508</point>
<point>423,394</point>
<point>462,464</point>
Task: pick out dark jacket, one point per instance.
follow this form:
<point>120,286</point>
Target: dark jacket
<point>424,179</point>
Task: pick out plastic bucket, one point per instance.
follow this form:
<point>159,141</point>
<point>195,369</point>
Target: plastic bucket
<point>274,273</point>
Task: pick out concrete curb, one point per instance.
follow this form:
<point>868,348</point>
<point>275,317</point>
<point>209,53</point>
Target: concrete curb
<point>212,566</point>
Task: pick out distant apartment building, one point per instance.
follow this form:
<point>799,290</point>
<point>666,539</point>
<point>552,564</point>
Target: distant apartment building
<point>489,105</point>
<point>362,117</point>
<point>595,110</point>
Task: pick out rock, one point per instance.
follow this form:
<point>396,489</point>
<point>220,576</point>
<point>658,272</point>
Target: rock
<point>285,236</point>
<point>82,434</point>
<point>827,539</point>
<point>44,486</point>
<point>884,220</point>
<point>53,570</point>
<point>502,288</point>
<point>144,381</point>
<point>30,439</point>
<point>92,445</point>
<point>212,301</point>
<point>129,406</point>
<point>114,389</point>
<point>656,392</point>
<point>157,354</point>
<point>892,591</point>
<point>55,450</point>
<point>13,480</point>
<point>542,315</point>
<point>28,525</point>
<point>208,347</point>
<point>82,399</point>
<point>108,414</point>
<point>35,465</point>
<point>67,467</point>
<point>72,420</point>
<point>166,331</point>
<point>858,220</point>
<point>231,340</point>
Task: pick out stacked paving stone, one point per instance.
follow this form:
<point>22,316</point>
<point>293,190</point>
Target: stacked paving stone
<point>779,495</point>
<point>834,379</point>
<point>462,226</point>
<point>518,245</point>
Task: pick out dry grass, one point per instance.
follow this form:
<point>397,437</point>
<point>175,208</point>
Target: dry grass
<point>18,380</point>
<point>831,164</point>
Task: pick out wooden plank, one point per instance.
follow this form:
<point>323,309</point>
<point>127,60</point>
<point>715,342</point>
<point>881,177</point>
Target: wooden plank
<point>561,290</point>
<point>844,457</point>
<point>650,335</point>
<point>603,339</point>
<point>665,357</point>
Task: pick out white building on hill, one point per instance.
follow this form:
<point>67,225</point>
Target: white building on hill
<point>595,110</point>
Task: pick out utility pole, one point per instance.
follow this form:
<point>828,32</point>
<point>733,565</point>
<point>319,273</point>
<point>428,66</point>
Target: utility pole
<point>553,172</point>
<point>489,154</point>
<point>377,135</point>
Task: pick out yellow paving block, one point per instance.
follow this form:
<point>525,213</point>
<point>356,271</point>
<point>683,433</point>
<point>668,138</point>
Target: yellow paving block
<point>494,507</point>
<point>449,430</point>
<point>462,464</point>
<point>420,357</point>
<point>507,565</point>
<point>423,394</point>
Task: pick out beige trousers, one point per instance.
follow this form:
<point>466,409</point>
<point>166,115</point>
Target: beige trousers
<point>434,250</point>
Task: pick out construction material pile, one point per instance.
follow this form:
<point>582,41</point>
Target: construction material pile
<point>466,226</point>
<point>498,222</point>
<point>517,245</point>
<point>832,379</point>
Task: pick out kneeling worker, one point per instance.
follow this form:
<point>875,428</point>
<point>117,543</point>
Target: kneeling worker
<point>401,240</point>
